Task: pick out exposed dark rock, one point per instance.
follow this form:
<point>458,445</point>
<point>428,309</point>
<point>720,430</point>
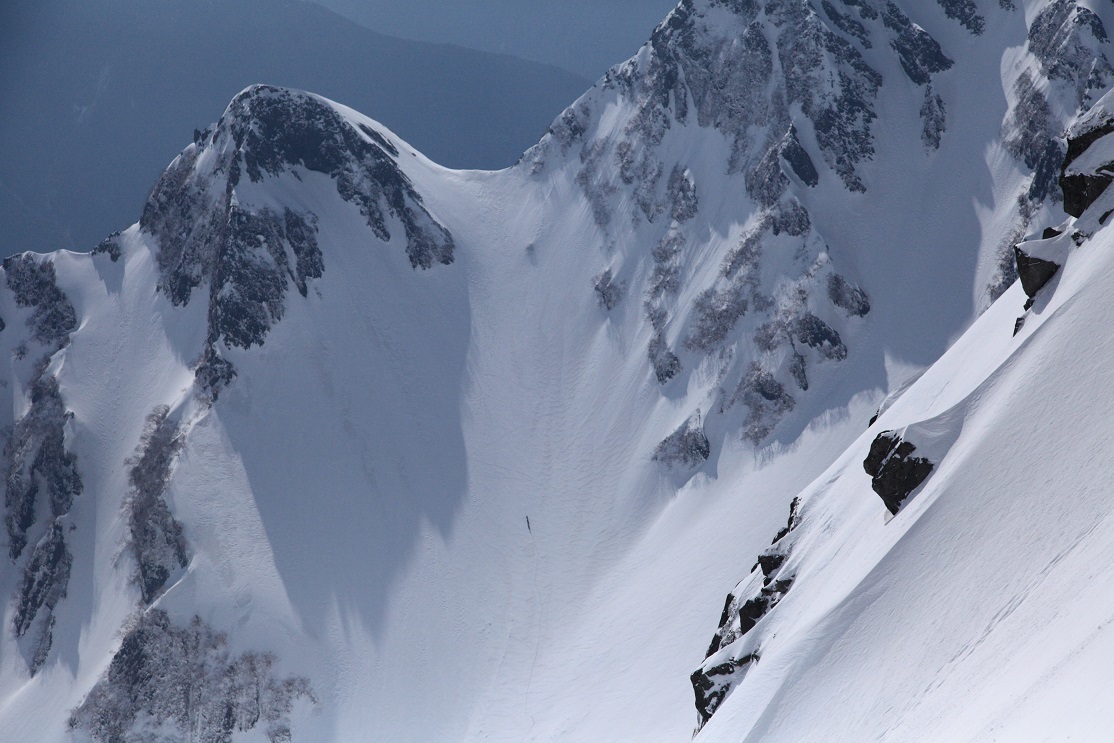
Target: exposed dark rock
<point>1034,272</point>
<point>798,370</point>
<point>248,256</point>
<point>1058,38</point>
<point>687,447</point>
<point>934,116</point>
<point>213,372</point>
<point>895,472</point>
<point>920,54</point>
<point>37,459</point>
<point>665,362</point>
<point>966,12</point>
<point>743,609</point>
<point>608,292</point>
<point>184,683</point>
<point>798,159</point>
<point>109,246</point>
<point>791,218</point>
<point>1050,232</point>
<point>793,522</point>
<point>711,686</point>
<point>715,314</point>
<point>39,466</point>
<point>812,331</point>
<point>849,298</point>
<point>1030,134</point>
<point>767,400</point>
<point>682,194</point>
<point>155,536</point>
<point>1083,189</point>
<point>42,586</point>
<point>34,285</point>
<point>847,24</point>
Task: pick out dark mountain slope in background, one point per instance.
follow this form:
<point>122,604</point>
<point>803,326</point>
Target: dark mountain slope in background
<point>97,98</point>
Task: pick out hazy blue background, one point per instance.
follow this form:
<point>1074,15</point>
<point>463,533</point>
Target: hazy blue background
<point>585,36</point>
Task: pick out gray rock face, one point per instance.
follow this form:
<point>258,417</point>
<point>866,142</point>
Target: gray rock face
<point>167,680</point>
<point>1033,272</point>
<point>895,471</point>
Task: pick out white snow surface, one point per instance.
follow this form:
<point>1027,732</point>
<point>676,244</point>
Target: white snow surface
<point>431,492</point>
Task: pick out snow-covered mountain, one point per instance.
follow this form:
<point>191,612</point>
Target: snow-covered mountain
<point>338,444</point>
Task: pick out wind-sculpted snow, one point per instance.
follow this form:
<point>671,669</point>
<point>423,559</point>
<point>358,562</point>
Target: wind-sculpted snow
<point>183,683</point>
<point>248,255</point>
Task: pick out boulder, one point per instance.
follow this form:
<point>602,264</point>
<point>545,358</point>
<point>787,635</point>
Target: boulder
<point>895,471</point>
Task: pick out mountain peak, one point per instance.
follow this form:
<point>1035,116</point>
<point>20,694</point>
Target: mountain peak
<point>218,222</point>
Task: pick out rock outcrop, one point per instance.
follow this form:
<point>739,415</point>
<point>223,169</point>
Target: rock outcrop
<point>895,472</point>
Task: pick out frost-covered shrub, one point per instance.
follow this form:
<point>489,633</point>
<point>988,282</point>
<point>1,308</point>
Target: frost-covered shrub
<point>767,400</point>
<point>687,447</point>
<point>665,362</point>
<point>42,586</point>
<point>608,291</point>
<point>597,190</point>
<point>182,683</point>
<point>716,313</point>
<point>1030,133</point>
<point>920,54</point>
<point>849,298</point>
<point>791,218</point>
<point>34,285</point>
<point>1065,37</point>
<point>966,12</point>
<point>36,457</point>
<point>155,538</point>
<point>812,331</point>
<point>38,465</point>
<point>682,194</point>
<point>934,116</point>
<point>213,372</point>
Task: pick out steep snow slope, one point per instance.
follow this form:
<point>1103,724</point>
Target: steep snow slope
<point>477,455</point>
<point>982,610</point>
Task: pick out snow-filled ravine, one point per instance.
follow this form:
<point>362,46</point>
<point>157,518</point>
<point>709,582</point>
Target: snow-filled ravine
<point>336,444</point>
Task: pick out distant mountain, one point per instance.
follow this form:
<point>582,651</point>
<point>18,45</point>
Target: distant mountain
<point>97,97</point>
<point>594,34</point>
